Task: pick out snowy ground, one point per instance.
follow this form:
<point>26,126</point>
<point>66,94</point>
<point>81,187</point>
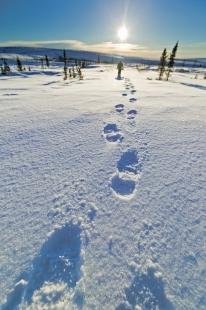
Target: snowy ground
<point>102,191</point>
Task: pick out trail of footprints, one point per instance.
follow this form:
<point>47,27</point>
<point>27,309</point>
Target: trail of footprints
<point>128,170</point>
<point>59,264</point>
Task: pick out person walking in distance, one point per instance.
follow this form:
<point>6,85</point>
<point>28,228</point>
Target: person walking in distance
<point>120,67</point>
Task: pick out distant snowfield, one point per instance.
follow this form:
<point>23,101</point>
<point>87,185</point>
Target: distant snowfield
<point>102,191</point>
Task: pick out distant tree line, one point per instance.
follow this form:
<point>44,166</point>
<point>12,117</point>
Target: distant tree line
<point>44,62</point>
<point>72,67</point>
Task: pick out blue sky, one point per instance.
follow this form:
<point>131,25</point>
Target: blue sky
<point>93,25</point>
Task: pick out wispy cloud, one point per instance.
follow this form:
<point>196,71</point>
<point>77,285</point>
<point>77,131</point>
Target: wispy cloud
<point>125,49</point>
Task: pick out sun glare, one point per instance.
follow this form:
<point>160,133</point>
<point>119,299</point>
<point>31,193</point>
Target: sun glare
<point>123,33</point>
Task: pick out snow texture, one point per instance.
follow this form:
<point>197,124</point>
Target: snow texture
<point>102,190</point>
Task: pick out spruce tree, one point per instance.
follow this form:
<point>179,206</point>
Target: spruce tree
<point>162,64</point>
<point>64,58</point>
<point>6,67</point>
<point>2,70</point>
<point>79,71</point>
<point>19,64</point>
<point>2,67</point>
<point>65,65</point>
<point>47,61</point>
<point>65,73</point>
<point>171,61</point>
<point>73,72</point>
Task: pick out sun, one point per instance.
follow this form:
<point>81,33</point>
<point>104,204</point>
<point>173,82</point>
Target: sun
<point>123,33</point>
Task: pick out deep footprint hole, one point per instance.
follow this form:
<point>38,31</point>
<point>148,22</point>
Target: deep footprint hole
<point>119,107</point>
<point>109,128</point>
<point>122,187</point>
<point>129,162</point>
<point>114,137</point>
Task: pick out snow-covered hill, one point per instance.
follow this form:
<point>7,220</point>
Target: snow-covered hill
<point>29,53</point>
<point>33,52</point>
<point>102,190</point>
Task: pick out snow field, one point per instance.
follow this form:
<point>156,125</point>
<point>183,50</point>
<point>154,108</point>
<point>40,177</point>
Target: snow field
<point>116,173</point>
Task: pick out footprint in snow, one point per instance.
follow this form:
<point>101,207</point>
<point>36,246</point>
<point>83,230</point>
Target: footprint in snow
<point>10,94</point>
<point>147,292</point>
<point>129,163</point>
<point>112,133</point>
<point>133,91</point>
<point>119,107</point>
<point>131,114</point>
<point>132,99</point>
<point>58,262</point>
<point>128,171</point>
<point>122,187</point>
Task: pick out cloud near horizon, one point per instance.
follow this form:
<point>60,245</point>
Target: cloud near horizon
<point>122,49</point>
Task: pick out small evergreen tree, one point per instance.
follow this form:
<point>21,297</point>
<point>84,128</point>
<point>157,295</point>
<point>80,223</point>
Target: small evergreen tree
<point>65,73</point>
<point>65,65</point>
<point>47,61</point>
<point>19,64</point>
<point>73,73</point>
<point>79,71</point>
<point>64,58</point>
<point>6,67</point>
<point>2,67</point>
<point>2,70</point>
<point>162,64</point>
<point>171,61</point>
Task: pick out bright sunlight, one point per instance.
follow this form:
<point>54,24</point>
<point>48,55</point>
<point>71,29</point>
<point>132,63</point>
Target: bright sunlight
<point>123,33</point>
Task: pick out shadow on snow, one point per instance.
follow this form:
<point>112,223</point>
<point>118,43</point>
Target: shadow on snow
<point>59,261</point>
<point>146,291</point>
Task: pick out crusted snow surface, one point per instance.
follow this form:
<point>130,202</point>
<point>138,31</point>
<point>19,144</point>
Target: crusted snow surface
<point>102,191</point>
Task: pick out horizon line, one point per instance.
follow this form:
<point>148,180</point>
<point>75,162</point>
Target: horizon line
<point>109,48</point>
